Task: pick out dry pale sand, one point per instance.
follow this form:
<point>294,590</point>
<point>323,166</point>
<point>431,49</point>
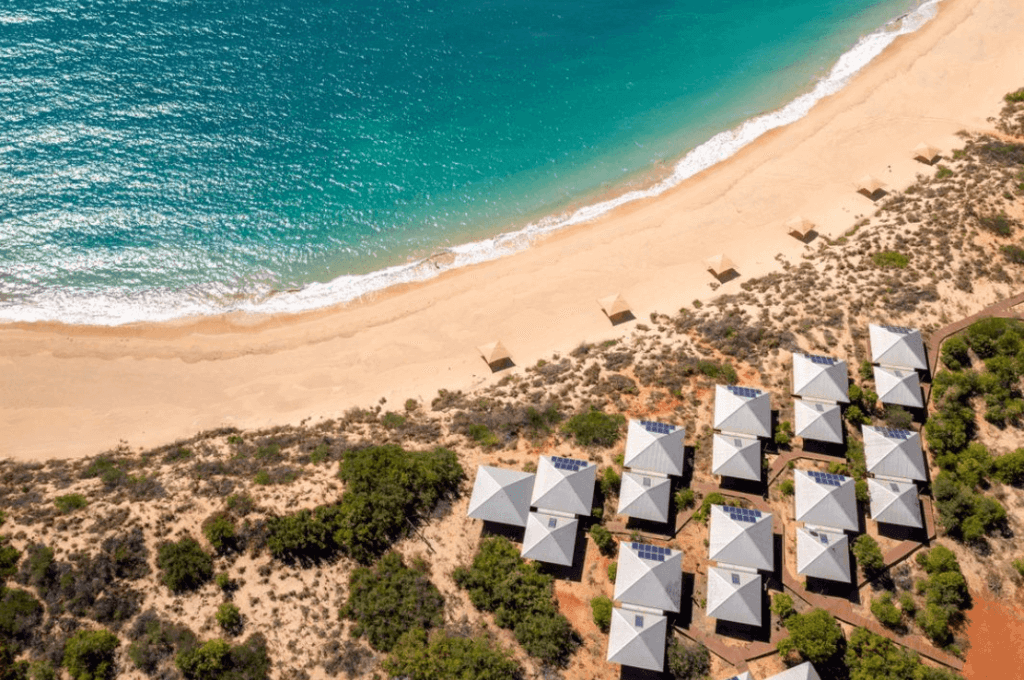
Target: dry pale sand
<point>69,391</point>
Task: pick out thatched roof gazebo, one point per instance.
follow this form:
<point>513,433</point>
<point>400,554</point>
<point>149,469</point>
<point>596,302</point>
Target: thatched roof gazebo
<point>926,153</point>
<point>616,307</point>
<point>872,187</point>
<point>800,227</point>
<point>720,265</point>
<point>495,354</point>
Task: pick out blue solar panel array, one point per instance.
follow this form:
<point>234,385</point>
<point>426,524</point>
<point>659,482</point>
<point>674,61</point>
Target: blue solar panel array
<point>747,392</point>
<point>735,579</point>
<point>827,478</point>
<point>552,523</point>
<point>902,330</point>
<point>742,514</point>
<point>822,361</point>
<point>657,428</point>
<point>570,464</point>
<point>823,538</point>
<point>893,433</point>
<point>638,621</point>
<point>651,552</point>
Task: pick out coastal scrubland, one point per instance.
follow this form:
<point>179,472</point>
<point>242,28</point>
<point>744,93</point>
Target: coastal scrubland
<point>342,548</point>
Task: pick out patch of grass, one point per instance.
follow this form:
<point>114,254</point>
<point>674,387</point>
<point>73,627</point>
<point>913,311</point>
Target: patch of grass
<point>889,259</point>
<point>1015,97</point>
<point>68,503</point>
<point>482,435</point>
<point>1013,253</point>
<point>595,428</point>
<point>943,172</point>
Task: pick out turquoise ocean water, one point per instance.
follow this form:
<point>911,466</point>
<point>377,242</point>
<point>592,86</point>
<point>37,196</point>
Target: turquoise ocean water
<point>174,157</point>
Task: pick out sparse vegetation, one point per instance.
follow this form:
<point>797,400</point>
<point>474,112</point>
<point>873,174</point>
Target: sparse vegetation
<point>220,660</point>
<point>184,565</point>
<point>783,433</point>
<point>610,482</point>
<point>787,488</point>
<point>890,258</point>
<point>685,499</point>
<point>68,503</point>
<point>594,428</point>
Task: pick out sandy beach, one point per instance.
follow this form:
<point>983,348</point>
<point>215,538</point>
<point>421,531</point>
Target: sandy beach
<point>69,391</point>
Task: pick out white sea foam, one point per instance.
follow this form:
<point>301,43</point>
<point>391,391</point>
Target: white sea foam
<point>117,308</point>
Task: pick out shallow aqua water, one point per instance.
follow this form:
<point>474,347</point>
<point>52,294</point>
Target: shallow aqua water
<point>164,157</point>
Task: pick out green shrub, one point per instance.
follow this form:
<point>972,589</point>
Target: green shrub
<point>815,636</point>
<point>866,370</point>
<point>868,554</point>
<point>229,618</point>
<point>872,657</point>
<point>898,417</point>
<point>688,660</point>
<point>240,504</point>
<point>855,416</point>
<point>219,530</point>
<point>595,428</point>
<point>184,565</point>
<point>685,499</point>
<point>389,598</point>
<point>783,433</point>
<point>1015,97</point>
<point>782,606</point>
<point>943,172</point>
<point>610,482</point>
<point>89,655</point>
<point>938,560</point>
<point>860,489</point>
<point>603,539</point>
<point>448,657</point>
<point>156,640</point>
<point>704,513</point>
<point>482,435</point>
<point>885,611</point>
<point>908,604</point>
<point>1018,564</point>
<point>36,570</point>
<point>320,454</point>
<point>392,420</point>
<point>890,258</point>
<point>955,355</point>
<point>613,571</point>
<point>949,591</point>
<point>9,556</point>
<point>20,615</point>
<point>787,487</point>
<point>219,660</point>
<point>601,607</point>
<point>521,597</point>
<point>934,622</point>
<point>999,224</point>
<point>70,502</point>
<point>1013,253</point>
<point>262,478</point>
<point>225,582</point>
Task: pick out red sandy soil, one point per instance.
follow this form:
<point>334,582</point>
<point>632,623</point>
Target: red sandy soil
<point>996,632</point>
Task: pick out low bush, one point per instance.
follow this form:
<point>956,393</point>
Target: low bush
<point>20,615</point>
<point>610,481</point>
<point>938,560</point>
<point>714,498</point>
<point>229,618</point>
<point>688,660</point>
<point>184,565</point>
<point>613,571</point>
<point>68,503</point>
<point>155,640</point>
<point>815,636</point>
<point>873,657</point>
<point>389,599</point>
<point>934,622</point>
<point>885,611</point>
<point>787,487</point>
<point>603,539</point>
<point>999,224</point>
<point>594,428</point>
<point>890,258</point>
<point>9,556</point>
<point>89,655</point>
<point>782,606</point>
<point>955,355</point>
<point>601,608</point>
<point>220,660</point>
<point>1013,253</point>
<point>685,499</point>
<point>1018,564</point>
<point>219,530</point>
<point>447,657</point>
<point>1009,467</point>
<point>482,435</point>
<point>783,433</point>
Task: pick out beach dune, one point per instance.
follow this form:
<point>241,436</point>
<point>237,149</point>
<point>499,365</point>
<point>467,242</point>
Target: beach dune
<point>71,390</point>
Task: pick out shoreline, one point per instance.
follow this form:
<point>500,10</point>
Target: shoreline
<point>152,383</point>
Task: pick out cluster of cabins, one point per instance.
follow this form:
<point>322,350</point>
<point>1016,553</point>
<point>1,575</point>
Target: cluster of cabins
<point>648,583</point>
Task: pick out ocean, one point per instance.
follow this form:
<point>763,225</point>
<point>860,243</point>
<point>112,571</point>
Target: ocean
<point>170,158</point>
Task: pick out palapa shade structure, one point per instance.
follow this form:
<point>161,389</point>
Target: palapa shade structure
<point>870,186</point>
<point>614,305</point>
<point>926,153</point>
<point>494,353</point>
<point>799,227</point>
<point>720,264</point>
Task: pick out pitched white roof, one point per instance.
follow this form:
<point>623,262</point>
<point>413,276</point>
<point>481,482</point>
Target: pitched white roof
<point>655,580</point>
<point>818,420</point>
<point>655,447</point>
<point>897,346</point>
<point>745,675</point>
<point>743,410</point>
<point>899,386</point>
<point>564,485</point>
<point>550,538</point>
<point>818,377</point>
<point>895,502</point>
<point>893,453</point>
<point>644,496</point>
<point>741,537</point>
<point>823,554</point>
<point>637,639</point>
<point>826,500</point>
<point>804,671</point>
<point>734,596</point>
<point>738,456</point>
<point>501,495</point>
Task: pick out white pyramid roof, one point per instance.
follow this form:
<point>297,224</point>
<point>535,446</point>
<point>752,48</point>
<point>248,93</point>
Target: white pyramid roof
<point>550,538</point>
<point>738,456</point>
<point>637,639</point>
<point>895,502</point>
<point>644,496</point>
<point>734,596</point>
<point>899,386</point>
<point>654,580</point>
<point>826,500</point>
<point>819,377</point>
<point>501,495</point>
<point>804,671</point>
<point>897,346</point>
<point>745,675</point>
<point>894,453</point>
<point>741,537</point>
<point>823,554</point>
<point>818,420</point>
<point>655,447</point>
<point>564,485</point>
<point>743,410</point>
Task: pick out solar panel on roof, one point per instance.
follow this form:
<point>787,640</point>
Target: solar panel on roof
<point>823,538</point>
<point>657,428</point>
<point>826,478</point>
<point>893,433</point>
<point>742,514</point>
<point>552,523</point>
<point>892,485</point>
<point>821,361</point>
<point>651,552</point>
<point>570,464</point>
<point>647,481</point>
<point>902,330</point>
<point>735,579</point>
<point>745,392</point>
<point>638,621</point>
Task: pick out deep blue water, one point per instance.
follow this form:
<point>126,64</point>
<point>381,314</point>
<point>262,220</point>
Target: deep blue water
<point>163,157</point>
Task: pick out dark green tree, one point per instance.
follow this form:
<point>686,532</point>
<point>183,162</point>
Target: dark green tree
<point>816,636</point>
<point>184,565</point>
<point>89,655</point>
<point>446,657</point>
